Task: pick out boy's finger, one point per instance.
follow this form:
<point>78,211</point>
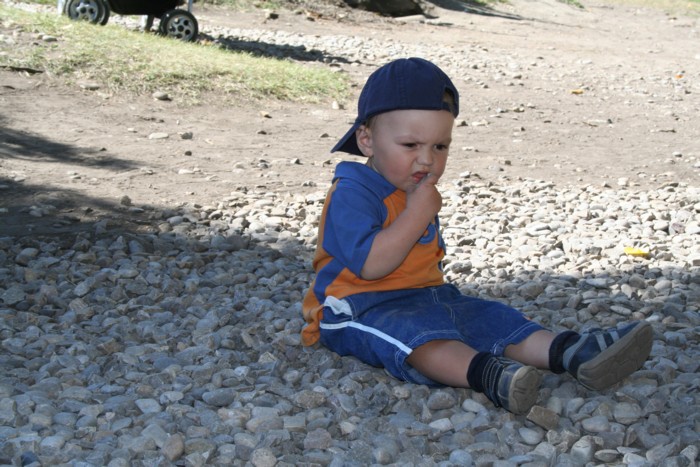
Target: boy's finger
<point>431,178</point>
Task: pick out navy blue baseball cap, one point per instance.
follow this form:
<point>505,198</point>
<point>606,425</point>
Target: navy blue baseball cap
<point>403,84</point>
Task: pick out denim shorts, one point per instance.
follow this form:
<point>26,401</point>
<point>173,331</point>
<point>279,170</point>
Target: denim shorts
<point>383,328</point>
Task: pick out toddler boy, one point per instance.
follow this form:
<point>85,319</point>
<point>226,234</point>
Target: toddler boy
<point>379,292</point>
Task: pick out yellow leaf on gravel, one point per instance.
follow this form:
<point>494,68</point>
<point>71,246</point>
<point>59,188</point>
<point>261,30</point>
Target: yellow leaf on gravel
<point>632,251</point>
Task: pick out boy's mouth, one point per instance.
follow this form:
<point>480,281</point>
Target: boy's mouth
<point>418,176</point>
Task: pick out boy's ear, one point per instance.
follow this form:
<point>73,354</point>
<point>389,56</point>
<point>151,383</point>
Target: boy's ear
<point>364,140</point>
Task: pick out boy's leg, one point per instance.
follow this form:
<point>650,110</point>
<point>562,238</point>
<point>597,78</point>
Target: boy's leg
<point>506,383</point>
<point>445,361</point>
<point>533,350</point>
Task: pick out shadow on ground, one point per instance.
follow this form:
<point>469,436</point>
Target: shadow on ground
<point>48,210</point>
<point>30,147</point>
<point>280,51</point>
<point>474,8</point>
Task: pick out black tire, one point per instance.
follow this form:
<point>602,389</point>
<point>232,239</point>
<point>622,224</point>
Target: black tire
<point>179,24</point>
<point>86,10</point>
<point>106,13</point>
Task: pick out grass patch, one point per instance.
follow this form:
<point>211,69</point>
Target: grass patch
<point>39,2</point>
<point>128,61</point>
<point>235,4</point>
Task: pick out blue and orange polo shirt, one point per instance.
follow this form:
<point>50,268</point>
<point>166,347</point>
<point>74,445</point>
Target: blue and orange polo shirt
<point>359,204</point>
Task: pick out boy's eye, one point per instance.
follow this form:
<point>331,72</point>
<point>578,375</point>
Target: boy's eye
<point>442,147</point>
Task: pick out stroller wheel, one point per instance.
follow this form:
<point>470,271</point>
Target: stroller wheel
<point>105,13</point>
<point>179,24</point>
<point>94,11</point>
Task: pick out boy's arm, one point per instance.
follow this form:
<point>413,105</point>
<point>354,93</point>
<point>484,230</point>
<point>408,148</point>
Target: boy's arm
<point>391,246</point>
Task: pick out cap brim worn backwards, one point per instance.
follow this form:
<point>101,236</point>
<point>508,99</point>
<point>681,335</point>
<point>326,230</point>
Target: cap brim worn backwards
<point>348,143</point>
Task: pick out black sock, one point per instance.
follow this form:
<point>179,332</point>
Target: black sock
<point>556,351</point>
<point>484,374</point>
<point>475,372</point>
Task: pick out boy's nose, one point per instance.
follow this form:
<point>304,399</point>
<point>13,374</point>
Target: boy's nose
<point>425,157</point>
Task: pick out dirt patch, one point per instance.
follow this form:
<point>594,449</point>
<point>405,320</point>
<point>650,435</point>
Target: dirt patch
<point>601,95</point>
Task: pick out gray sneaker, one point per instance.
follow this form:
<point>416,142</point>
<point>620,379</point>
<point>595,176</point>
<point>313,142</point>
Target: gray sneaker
<point>512,385</point>
<point>602,358</point>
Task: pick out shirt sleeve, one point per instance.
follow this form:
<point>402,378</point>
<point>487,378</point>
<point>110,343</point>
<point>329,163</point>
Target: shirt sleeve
<point>355,216</point>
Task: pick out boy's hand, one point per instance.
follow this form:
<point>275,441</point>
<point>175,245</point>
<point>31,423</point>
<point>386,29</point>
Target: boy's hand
<point>393,243</point>
<point>425,197</point>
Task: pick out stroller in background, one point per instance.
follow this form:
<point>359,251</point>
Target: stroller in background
<point>174,22</point>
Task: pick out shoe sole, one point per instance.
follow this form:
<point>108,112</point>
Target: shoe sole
<point>523,390</point>
<point>618,361</point>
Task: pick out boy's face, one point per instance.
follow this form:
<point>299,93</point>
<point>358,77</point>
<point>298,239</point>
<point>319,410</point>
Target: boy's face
<point>407,145</point>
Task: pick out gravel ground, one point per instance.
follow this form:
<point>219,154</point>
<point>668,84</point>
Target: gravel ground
<point>180,345</point>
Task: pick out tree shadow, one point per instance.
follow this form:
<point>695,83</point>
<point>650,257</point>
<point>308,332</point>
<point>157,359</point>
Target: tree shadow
<point>30,146</point>
<point>663,386</point>
<point>474,8</point>
<point>594,299</point>
<point>43,211</point>
<point>30,209</point>
<point>270,50</point>
<point>213,298</point>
